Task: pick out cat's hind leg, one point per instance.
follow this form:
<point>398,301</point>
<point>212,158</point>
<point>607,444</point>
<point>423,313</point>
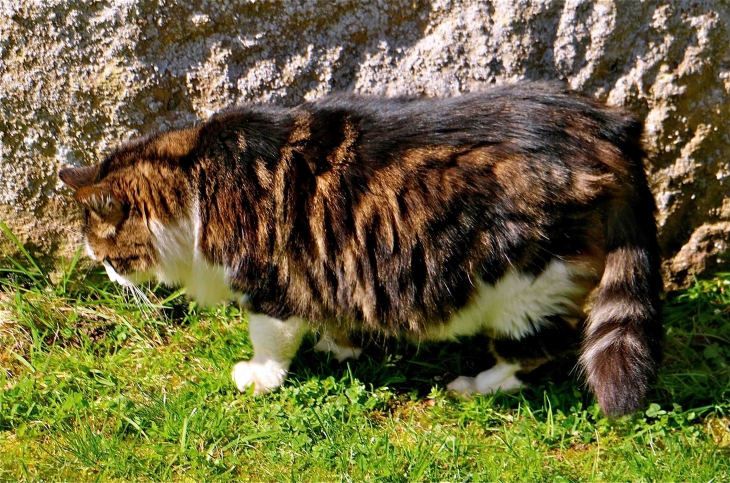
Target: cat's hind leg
<point>518,357</point>
<point>501,377</point>
<point>275,343</point>
<point>340,347</point>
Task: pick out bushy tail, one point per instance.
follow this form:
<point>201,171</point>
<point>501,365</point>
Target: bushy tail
<point>622,344</point>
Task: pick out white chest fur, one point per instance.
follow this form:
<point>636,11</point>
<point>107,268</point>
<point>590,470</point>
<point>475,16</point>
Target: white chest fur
<point>182,264</point>
<point>515,306</point>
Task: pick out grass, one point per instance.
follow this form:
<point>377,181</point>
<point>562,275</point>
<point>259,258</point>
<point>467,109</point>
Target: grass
<point>95,386</point>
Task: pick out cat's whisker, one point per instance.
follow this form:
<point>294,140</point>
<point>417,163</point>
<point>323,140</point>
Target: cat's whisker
<point>147,303</point>
<point>128,292</point>
<point>140,295</point>
<point>141,301</point>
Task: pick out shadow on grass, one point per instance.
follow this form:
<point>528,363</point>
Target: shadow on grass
<point>695,373</point>
<point>415,371</point>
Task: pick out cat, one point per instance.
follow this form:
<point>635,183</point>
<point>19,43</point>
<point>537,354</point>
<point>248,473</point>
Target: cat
<point>521,212</point>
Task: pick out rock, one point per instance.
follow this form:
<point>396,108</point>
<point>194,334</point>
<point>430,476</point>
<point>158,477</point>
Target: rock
<point>79,77</point>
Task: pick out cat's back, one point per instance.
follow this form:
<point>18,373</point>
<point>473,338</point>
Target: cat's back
<point>529,115</point>
<point>524,118</point>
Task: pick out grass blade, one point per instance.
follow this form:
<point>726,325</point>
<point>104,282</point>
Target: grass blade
<point>23,250</point>
<point>68,272</point>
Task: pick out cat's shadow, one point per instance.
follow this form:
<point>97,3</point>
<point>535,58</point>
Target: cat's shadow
<point>411,370</point>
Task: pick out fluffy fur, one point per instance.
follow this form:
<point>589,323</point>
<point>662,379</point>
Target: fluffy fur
<point>508,212</point>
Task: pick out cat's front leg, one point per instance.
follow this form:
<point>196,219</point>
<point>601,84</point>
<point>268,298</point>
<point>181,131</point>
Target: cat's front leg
<point>275,343</point>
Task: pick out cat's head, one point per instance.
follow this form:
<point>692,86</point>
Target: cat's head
<point>128,199</point>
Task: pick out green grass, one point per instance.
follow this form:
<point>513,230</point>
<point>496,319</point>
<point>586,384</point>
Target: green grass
<point>96,387</point>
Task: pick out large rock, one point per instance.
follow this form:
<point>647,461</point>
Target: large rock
<point>78,77</point>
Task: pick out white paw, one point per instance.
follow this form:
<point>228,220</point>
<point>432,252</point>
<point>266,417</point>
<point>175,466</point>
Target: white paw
<point>501,377</point>
<point>509,384</point>
<point>327,344</point>
<point>264,375</point>
<point>463,385</point>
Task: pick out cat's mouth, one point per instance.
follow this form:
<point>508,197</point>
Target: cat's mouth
<point>127,280</point>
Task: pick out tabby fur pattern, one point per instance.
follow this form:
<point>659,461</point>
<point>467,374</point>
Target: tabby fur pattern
<point>521,212</point>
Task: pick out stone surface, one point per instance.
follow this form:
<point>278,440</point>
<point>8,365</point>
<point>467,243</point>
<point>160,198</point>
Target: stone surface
<point>78,76</point>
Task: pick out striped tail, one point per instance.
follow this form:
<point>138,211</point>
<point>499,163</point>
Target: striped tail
<point>621,348</point>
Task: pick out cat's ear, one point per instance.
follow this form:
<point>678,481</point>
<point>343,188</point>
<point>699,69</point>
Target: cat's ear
<point>76,178</point>
<point>102,202</point>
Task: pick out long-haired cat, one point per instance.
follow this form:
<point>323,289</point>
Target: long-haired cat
<point>521,212</point>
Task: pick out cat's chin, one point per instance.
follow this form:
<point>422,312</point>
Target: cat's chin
<point>128,280</point>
